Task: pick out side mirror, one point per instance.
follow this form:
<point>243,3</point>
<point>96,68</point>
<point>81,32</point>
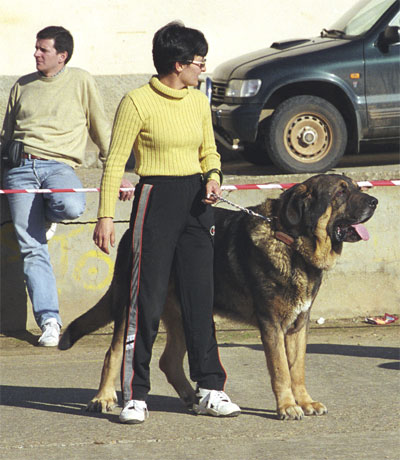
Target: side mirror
<point>206,87</point>
<point>209,89</point>
<point>388,37</point>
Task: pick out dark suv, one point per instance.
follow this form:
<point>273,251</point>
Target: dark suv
<point>303,103</point>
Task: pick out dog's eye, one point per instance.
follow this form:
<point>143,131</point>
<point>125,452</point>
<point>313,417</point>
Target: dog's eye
<point>340,193</point>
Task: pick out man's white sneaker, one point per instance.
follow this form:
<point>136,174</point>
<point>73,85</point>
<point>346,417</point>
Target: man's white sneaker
<point>216,403</point>
<point>51,228</point>
<point>134,411</point>
<point>51,333</point>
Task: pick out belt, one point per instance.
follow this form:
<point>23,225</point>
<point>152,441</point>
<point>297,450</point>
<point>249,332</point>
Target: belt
<point>29,156</point>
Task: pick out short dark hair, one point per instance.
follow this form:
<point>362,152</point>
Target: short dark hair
<point>176,43</point>
<point>63,40</point>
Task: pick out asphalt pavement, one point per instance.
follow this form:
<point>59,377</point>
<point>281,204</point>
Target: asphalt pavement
<point>352,368</point>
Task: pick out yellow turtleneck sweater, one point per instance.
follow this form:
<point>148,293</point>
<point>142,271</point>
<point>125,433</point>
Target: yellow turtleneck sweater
<point>170,131</point>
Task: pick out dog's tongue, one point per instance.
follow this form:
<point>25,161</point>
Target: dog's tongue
<point>361,231</point>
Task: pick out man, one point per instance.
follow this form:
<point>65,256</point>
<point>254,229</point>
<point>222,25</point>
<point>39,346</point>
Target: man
<point>51,112</point>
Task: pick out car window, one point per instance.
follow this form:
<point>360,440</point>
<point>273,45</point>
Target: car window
<point>362,16</point>
<point>395,21</point>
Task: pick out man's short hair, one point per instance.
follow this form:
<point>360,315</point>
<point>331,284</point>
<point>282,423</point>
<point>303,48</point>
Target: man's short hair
<point>176,43</point>
<point>63,40</point>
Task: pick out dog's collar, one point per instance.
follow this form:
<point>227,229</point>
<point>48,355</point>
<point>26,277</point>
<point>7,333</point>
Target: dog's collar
<point>284,237</point>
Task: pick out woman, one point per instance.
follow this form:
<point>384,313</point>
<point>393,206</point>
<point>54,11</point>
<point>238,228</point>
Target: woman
<point>169,127</point>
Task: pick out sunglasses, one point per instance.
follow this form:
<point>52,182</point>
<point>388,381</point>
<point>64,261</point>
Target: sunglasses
<point>200,64</point>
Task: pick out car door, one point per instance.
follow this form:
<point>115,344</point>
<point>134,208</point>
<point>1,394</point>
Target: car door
<point>382,70</point>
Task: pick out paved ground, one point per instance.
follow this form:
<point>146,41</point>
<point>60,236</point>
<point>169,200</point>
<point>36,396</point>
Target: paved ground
<point>352,368</point>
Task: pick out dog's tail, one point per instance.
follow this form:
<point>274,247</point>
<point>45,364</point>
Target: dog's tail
<point>95,318</point>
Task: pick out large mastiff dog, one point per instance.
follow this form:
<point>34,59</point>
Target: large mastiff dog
<point>266,275</point>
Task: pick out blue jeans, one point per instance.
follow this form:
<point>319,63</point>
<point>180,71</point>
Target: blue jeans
<point>30,212</point>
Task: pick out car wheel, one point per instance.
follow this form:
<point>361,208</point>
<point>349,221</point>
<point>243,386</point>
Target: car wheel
<point>306,134</point>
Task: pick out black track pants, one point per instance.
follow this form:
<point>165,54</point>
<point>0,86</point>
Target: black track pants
<point>169,224</point>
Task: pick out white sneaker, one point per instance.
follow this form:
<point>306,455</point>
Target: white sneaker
<point>51,333</point>
<point>51,228</point>
<point>216,403</point>
<point>134,411</point>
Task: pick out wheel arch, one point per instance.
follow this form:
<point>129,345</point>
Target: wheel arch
<point>325,90</point>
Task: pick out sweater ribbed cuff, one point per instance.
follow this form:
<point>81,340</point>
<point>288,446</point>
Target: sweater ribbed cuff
<point>213,174</point>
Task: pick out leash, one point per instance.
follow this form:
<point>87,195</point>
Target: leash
<point>284,237</point>
<point>242,208</point>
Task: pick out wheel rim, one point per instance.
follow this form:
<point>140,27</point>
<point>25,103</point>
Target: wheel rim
<point>308,137</point>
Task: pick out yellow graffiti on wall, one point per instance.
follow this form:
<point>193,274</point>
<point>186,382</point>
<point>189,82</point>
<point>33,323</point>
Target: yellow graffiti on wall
<point>64,240</point>
<point>77,263</point>
<point>86,269</point>
<point>91,269</point>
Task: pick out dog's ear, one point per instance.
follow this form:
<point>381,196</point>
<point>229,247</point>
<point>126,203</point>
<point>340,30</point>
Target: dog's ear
<point>293,206</point>
<point>303,204</point>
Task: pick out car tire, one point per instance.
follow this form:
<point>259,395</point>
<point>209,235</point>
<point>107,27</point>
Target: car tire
<point>306,134</point>
<point>256,152</point>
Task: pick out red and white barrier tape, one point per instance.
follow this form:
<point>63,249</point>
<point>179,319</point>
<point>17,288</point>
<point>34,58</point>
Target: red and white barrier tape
<point>372,183</point>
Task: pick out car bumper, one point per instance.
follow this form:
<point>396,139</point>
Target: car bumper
<point>235,124</point>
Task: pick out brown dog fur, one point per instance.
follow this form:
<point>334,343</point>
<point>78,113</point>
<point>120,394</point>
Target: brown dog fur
<point>259,279</point>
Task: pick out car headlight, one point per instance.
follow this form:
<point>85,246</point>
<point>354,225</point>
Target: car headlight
<point>242,88</point>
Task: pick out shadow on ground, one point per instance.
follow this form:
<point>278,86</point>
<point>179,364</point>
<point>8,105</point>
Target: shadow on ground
<point>359,351</point>
<point>73,401</point>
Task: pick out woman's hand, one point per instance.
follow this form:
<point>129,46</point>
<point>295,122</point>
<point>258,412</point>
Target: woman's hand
<point>104,233</point>
<point>127,194</point>
<point>212,188</point>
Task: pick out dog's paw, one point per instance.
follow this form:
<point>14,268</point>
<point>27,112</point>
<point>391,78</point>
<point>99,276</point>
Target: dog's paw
<point>188,398</point>
<point>290,412</point>
<point>314,408</point>
<point>101,404</point>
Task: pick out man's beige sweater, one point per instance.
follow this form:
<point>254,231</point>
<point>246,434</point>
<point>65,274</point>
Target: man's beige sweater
<point>52,116</point>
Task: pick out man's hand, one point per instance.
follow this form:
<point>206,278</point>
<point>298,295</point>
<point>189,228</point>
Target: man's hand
<point>104,232</point>
<point>126,195</point>
<point>212,187</point>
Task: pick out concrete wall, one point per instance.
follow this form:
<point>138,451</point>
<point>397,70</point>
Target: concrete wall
<point>113,37</point>
<point>365,280</point>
